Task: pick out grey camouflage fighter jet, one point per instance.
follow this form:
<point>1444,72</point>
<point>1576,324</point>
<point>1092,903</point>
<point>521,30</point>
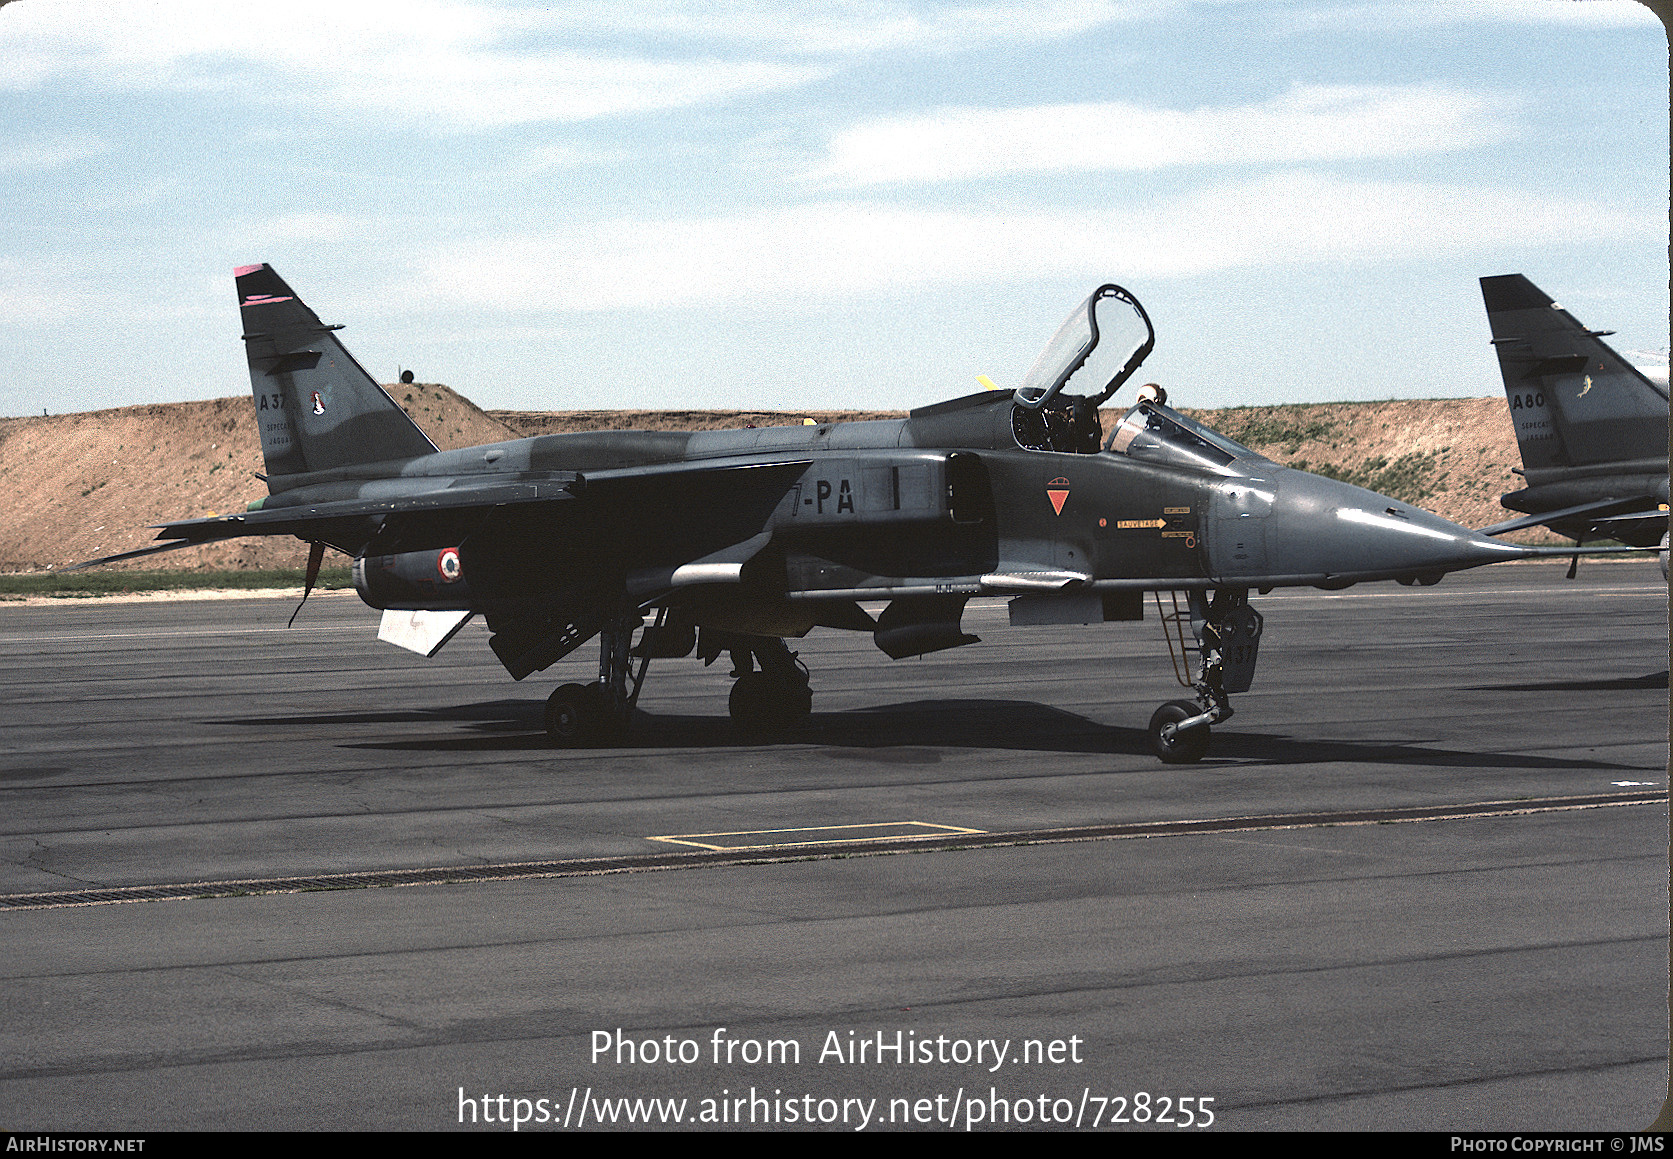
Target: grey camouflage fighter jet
<point>731,541</point>
<point>1592,428</point>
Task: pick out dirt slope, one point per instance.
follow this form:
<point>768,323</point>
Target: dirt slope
<point>83,485</point>
<point>1451,455</point>
<point>79,486</point>
<point>527,422</point>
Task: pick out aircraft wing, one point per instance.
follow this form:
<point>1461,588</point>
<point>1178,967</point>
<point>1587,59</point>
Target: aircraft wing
<point>329,520</point>
<point>445,514</point>
<point>300,518</point>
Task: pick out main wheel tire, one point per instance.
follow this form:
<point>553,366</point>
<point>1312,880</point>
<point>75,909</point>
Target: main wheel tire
<point>762,704</point>
<point>752,704</point>
<point>1186,747</point>
<point>797,699</point>
<point>572,715</point>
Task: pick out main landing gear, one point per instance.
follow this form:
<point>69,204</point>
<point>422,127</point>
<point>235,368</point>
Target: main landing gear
<point>583,715</point>
<point>1227,633</point>
<point>772,699</point>
<point>771,692</point>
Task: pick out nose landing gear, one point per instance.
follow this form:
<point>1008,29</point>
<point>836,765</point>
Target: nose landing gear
<point>1226,633</point>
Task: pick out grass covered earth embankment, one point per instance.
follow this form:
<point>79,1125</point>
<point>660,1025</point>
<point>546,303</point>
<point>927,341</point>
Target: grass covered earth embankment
<point>93,584</point>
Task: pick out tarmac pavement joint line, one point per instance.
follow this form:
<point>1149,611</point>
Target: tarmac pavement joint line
<point>805,851</point>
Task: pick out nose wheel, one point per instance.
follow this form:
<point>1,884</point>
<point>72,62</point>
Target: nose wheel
<point>1175,745</point>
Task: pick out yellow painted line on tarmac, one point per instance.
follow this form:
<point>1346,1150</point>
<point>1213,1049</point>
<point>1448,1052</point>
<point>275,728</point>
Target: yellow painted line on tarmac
<point>814,835</point>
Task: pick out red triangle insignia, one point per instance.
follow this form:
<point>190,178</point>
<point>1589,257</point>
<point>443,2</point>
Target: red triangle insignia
<point>1058,492</point>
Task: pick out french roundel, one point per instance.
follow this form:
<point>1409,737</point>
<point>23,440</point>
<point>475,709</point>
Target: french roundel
<point>447,563</point>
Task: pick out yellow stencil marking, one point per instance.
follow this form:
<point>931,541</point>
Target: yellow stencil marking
<point>1141,523</point>
<point>815,835</point>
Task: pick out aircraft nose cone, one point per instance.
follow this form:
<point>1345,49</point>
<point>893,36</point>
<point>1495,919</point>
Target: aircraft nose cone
<point>1298,527</point>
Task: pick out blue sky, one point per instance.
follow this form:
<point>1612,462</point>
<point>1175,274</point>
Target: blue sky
<point>610,203</point>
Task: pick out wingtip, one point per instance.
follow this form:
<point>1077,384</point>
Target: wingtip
<point>1512,292</point>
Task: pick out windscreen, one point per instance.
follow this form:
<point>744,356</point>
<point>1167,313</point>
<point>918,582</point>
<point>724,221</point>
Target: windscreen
<point>1155,435</point>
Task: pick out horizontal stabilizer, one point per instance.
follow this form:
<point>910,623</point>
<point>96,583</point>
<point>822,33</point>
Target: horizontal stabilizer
<point>300,518</point>
<point>136,554</point>
<point>1601,511</point>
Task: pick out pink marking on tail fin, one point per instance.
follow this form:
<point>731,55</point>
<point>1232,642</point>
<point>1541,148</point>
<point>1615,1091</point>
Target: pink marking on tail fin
<point>242,270</point>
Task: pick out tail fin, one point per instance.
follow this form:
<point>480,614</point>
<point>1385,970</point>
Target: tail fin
<point>317,408</point>
<point>1574,401</point>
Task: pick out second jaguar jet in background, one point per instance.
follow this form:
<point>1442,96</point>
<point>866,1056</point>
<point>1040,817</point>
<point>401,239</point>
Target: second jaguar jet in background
<point>1592,427</point>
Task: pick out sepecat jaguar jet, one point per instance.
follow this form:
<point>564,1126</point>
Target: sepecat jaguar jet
<point>731,541</point>
<point>1592,427</point>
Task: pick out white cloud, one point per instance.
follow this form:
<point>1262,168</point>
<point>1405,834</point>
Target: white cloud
<point>1409,14</point>
<point>1308,123</point>
<point>311,227</point>
<point>36,294</point>
<point>806,257</point>
<point>47,152</point>
<point>455,65</point>
<point>479,65</point>
<point>537,159</point>
<point>845,27</point>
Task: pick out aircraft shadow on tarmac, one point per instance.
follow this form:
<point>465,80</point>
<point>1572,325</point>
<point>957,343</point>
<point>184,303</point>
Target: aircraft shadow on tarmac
<point>915,729</point>
<point>1621,684</point>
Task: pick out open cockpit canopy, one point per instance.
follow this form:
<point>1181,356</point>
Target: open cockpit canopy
<point>1098,346</point>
